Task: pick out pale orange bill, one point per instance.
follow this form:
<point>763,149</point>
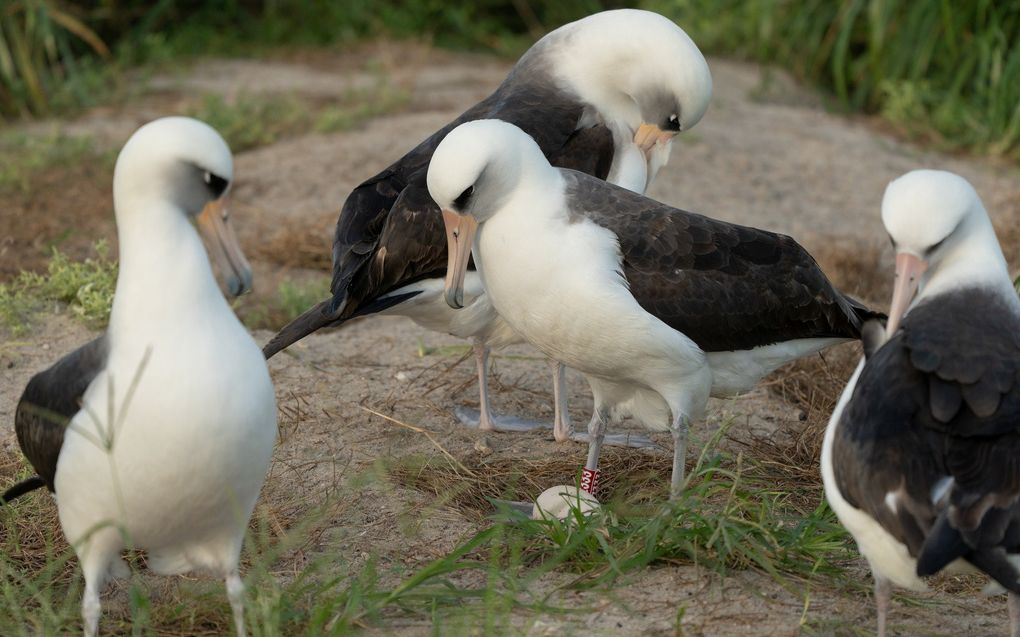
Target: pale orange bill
<point>214,225</point>
<point>909,268</point>
<point>460,235</point>
<point>648,135</point>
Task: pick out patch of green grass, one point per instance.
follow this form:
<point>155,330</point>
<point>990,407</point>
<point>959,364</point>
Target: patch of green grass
<point>511,571</point>
<point>722,522</point>
<point>290,301</point>
<point>85,286</point>
<point>252,120</point>
<point>23,155</point>
<point>731,515</point>
<point>40,587</point>
<point>360,105</point>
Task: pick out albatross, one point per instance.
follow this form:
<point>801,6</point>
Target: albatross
<point>920,455</point>
<point>158,434</point>
<point>605,95</point>
<point>659,308</point>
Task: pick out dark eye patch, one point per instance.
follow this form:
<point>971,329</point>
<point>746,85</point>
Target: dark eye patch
<point>217,185</point>
<point>938,245</point>
<point>673,123</point>
<point>462,200</point>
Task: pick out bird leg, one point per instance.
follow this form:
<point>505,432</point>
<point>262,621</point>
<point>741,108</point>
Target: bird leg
<point>562,427</point>
<point>680,429</point>
<point>883,592</point>
<point>483,420</point>
<point>1013,604</point>
<point>97,554</point>
<point>634,440</point>
<point>91,608</point>
<point>482,362</point>
<point>235,593</point>
<point>596,434</point>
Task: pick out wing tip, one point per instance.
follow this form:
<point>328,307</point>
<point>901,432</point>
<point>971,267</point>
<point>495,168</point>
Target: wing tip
<point>314,318</point>
<point>873,336</point>
<point>21,488</point>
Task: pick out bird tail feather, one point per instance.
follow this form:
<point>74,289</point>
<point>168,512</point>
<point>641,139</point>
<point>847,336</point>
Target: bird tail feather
<point>946,544</point>
<point>25,486</point>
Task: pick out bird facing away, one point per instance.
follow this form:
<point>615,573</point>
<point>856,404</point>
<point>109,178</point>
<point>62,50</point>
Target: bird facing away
<point>920,455</point>
<point>158,434</point>
<point>604,95</point>
<point>657,307</point>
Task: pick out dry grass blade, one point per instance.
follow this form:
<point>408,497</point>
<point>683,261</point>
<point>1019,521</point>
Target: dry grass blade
<point>428,434</point>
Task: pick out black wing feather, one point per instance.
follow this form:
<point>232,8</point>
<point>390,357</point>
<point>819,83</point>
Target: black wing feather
<point>727,287</point>
<point>390,232</point>
<point>940,400</point>
<point>50,400</point>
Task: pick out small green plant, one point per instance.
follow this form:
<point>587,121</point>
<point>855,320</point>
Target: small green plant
<point>85,286</point>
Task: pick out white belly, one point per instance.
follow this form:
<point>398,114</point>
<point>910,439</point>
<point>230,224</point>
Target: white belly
<point>558,285</point>
<point>189,449</point>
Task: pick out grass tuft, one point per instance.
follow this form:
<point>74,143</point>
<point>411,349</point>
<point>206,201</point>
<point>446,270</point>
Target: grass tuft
<point>85,286</point>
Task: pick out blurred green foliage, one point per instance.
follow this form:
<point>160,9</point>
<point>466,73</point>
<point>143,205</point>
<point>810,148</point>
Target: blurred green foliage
<point>946,71</point>
<point>40,47</point>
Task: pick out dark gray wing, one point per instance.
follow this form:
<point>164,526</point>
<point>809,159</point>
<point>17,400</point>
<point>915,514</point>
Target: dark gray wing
<point>390,232</point>
<point>727,287</point>
<point>940,402</point>
<point>49,402</point>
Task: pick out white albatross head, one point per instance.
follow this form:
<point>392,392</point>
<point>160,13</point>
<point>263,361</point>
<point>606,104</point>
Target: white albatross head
<point>638,69</point>
<point>473,172</point>
<point>942,237</point>
<point>182,165</point>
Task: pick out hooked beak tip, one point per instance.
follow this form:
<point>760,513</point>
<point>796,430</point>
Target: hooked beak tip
<point>455,298</point>
<point>239,284</point>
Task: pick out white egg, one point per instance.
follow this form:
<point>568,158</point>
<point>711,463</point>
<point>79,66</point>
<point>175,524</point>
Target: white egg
<point>560,501</point>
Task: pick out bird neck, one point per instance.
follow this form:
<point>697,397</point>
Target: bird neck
<point>164,270</point>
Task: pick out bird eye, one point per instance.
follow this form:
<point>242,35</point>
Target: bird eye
<point>673,123</point>
<point>217,185</point>
<point>461,201</point>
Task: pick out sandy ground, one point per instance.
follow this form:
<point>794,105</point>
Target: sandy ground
<point>768,153</point>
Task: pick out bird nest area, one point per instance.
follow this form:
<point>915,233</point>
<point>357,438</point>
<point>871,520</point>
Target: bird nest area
<point>813,385</point>
<point>472,482</point>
